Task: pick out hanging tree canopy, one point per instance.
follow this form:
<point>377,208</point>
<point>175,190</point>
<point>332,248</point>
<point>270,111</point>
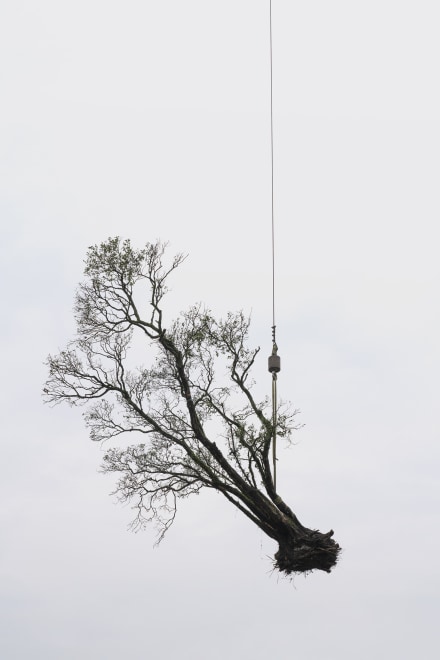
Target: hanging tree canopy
<point>169,405</point>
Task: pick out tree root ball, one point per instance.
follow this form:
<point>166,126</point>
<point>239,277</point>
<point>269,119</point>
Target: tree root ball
<point>309,552</point>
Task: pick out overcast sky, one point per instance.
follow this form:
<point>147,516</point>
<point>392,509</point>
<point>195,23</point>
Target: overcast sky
<point>151,119</point>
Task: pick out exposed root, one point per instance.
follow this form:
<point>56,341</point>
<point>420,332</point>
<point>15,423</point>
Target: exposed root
<point>308,552</point>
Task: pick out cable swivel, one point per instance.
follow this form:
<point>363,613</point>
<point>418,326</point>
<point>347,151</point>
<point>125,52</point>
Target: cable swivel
<point>274,361</point>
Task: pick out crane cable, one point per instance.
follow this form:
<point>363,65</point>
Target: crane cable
<point>274,362</point>
<point>272,168</point>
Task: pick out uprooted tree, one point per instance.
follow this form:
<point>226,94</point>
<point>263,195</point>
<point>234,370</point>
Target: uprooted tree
<point>177,403</point>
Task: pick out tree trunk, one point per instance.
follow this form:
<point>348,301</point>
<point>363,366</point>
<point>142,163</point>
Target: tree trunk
<point>301,550</point>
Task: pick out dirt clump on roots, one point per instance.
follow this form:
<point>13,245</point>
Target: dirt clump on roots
<point>306,553</point>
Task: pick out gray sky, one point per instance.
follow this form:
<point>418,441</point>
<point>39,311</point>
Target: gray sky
<point>150,119</point>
